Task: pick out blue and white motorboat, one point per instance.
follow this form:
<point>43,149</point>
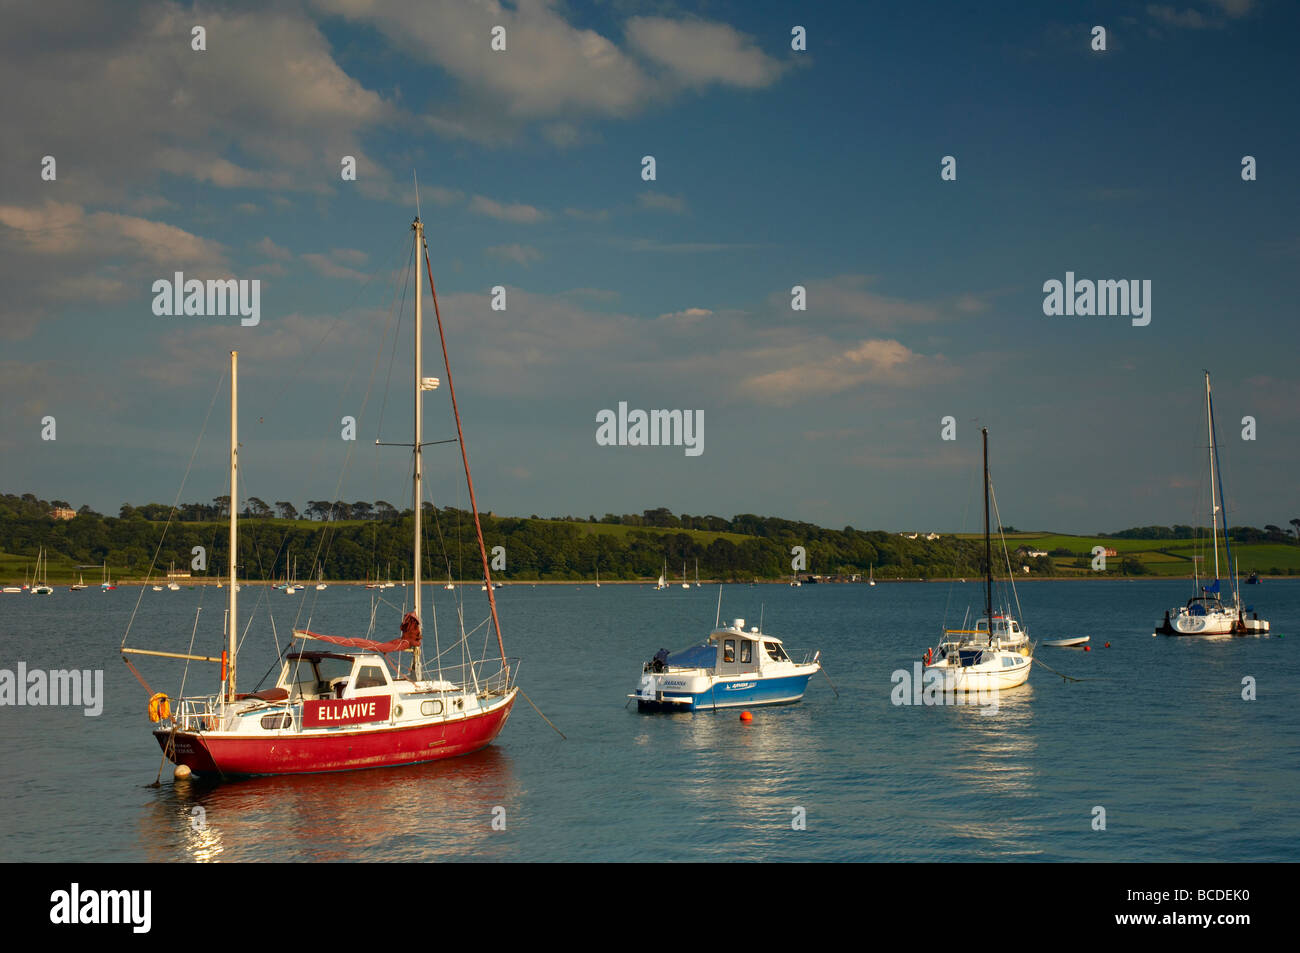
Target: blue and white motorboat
<point>734,668</point>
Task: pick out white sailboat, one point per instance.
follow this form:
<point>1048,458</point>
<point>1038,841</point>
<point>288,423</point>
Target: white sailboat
<point>663,577</point>
<point>685,584</point>
<point>320,578</point>
<point>997,653</point>
<point>597,577</point>
<point>81,584</point>
<point>1206,613</point>
<point>40,584</point>
<point>871,575</point>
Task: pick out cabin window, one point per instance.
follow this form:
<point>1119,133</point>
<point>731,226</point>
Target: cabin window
<point>301,673</point>
<point>276,722</point>
<point>371,676</point>
<point>1008,662</point>
<point>747,651</point>
<point>729,650</point>
<point>774,651</point>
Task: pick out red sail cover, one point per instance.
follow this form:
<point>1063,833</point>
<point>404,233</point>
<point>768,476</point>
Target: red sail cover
<point>411,628</point>
<point>409,640</point>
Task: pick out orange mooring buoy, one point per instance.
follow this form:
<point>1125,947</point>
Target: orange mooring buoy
<point>746,716</point>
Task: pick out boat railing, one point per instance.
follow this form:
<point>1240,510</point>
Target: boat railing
<point>196,714</point>
<point>485,677</point>
<point>495,676</point>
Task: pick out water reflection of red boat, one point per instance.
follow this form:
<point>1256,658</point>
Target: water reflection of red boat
<point>376,815</point>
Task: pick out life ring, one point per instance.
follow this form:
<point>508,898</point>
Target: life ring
<point>159,707</point>
<point>929,656</point>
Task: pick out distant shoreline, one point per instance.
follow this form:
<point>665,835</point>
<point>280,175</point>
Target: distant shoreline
<point>506,584</point>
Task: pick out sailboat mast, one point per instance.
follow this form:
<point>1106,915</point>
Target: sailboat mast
<point>464,456</point>
<point>234,508</point>
<point>1223,509</point>
<point>1214,502</point>
<point>988,549</point>
<point>419,427</point>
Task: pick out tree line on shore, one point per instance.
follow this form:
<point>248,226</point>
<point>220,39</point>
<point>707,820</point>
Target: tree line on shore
<point>364,540</point>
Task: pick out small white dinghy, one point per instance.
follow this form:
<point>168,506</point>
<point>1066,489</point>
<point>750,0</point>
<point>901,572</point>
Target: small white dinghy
<point>1067,643</point>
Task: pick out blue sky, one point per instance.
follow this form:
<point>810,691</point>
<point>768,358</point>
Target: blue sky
<point>775,168</point>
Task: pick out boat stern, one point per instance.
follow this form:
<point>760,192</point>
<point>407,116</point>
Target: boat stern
<point>666,691</point>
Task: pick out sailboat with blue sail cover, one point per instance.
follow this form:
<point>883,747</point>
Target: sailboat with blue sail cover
<point>1206,613</point>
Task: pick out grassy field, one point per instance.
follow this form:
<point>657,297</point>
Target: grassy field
<point>62,570</point>
<point>1163,557</point>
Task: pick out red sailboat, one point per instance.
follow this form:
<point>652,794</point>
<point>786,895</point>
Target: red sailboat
<point>350,706</point>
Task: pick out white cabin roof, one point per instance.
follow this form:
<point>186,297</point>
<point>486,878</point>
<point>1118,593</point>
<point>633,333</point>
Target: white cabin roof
<point>737,628</point>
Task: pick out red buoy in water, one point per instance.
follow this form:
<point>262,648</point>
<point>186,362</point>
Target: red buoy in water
<point>1087,648</point>
<point>746,716</point>
<point>1107,645</point>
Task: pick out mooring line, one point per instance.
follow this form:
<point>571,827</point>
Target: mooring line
<point>544,718</point>
<point>1068,678</point>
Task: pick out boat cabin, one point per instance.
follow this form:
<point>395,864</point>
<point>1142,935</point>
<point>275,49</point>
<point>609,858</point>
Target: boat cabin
<point>1204,605</point>
<point>729,651</point>
<point>1003,627</point>
<point>309,676</point>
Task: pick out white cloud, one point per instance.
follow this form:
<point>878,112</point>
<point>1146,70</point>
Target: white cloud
<point>687,315</point>
<point>329,266</point>
<point>265,106</point>
<point>63,228</point>
<point>1235,8</point>
<point>585,215</point>
<point>520,254</point>
<point>57,255</point>
<point>698,53</point>
<point>520,214</point>
<point>687,248</point>
<point>660,202</point>
<point>552,72</point>
<point>1189,19</point>
<point>549,69</point>
<point>270,249</point>
<point>441,196</point>
<point>821,368</point>
<point>849,297</point>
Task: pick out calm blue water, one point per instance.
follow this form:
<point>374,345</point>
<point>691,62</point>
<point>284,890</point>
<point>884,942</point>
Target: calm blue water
<point>1158,735</point>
